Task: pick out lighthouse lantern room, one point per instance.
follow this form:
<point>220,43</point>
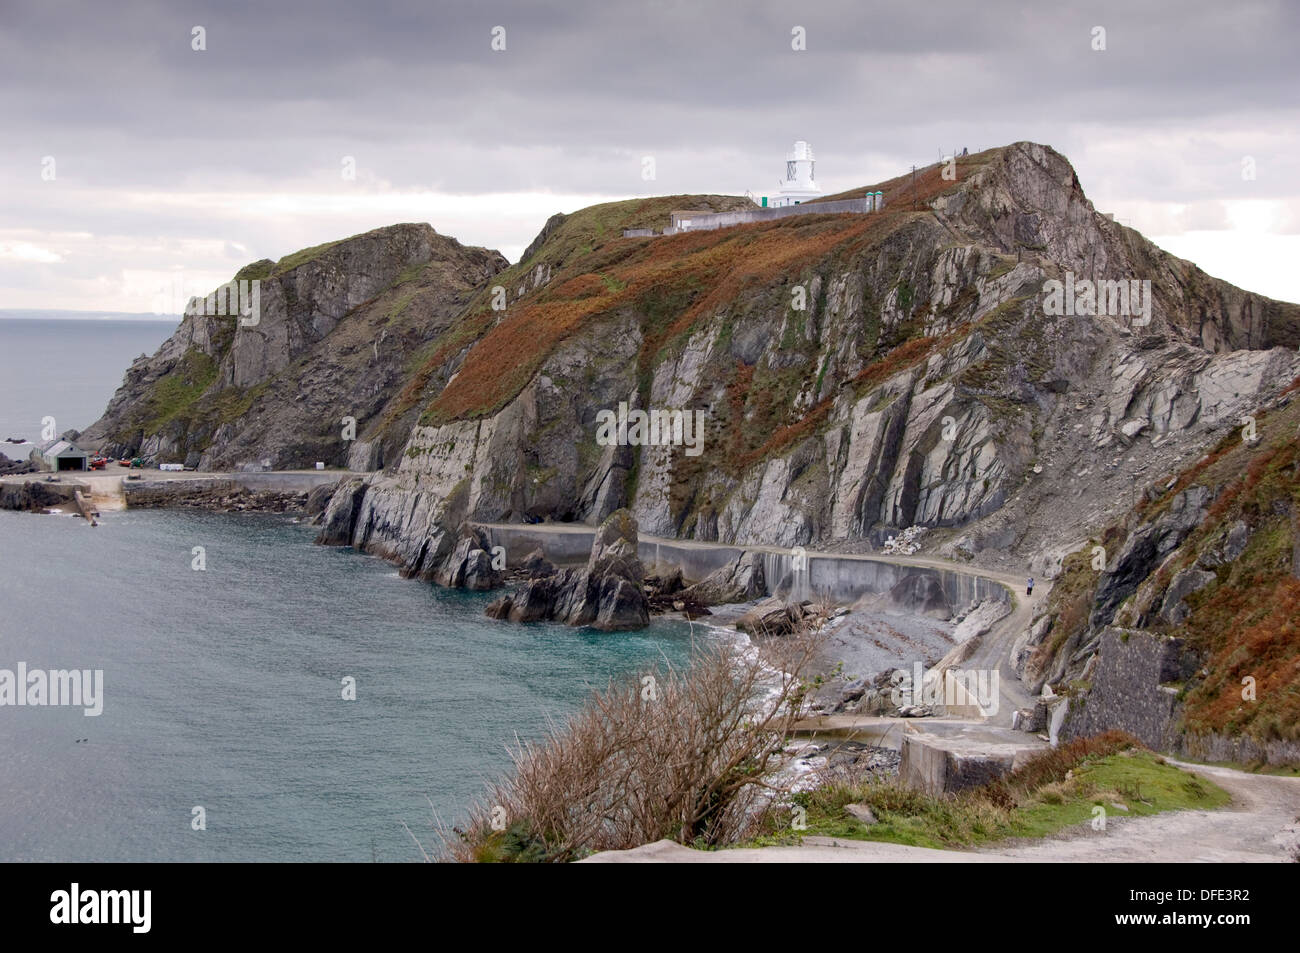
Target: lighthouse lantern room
<point>798,185</point>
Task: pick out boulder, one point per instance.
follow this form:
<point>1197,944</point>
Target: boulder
<point>861,813</point>
<point>613,551</point>
<point>738,581</point>
<point>772,616</point>
<point>499,608</point>
<point>469,565</point>
<point>479,574</point>
<point>854,690</point>
<point>535,565</point>
<point>318,499</point>
<point>1174,610</point>
<point>621,605</point>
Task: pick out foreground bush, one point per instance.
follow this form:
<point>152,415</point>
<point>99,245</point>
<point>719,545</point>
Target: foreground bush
<point>686,755</point>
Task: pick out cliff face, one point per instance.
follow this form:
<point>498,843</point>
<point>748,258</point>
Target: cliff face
<point>924,381</point>
<point>336,330</point>
<point>1180,620</point>
<point>853,375</point>
<point>935,364</point>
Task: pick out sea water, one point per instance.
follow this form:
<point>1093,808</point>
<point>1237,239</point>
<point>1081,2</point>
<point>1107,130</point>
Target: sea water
<point>223,689</point>
<point>223,686</point>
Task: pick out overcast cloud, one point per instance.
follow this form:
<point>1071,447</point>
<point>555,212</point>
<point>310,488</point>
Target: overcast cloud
<point>169,161</point>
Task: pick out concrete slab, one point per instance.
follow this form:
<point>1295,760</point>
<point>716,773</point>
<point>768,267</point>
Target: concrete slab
<point>942,758</point>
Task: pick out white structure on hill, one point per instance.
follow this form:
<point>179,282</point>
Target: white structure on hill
<point>798,185</point>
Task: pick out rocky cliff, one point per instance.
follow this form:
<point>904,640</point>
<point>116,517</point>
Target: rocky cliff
<point>988,358</point>
<point>853,375</point>
<point>1180,620</point>
<point>336,332</point>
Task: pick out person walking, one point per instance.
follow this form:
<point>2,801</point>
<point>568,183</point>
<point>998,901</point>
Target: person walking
<point>1029,587</point>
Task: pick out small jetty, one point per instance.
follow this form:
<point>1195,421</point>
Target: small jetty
<point>85,508</point>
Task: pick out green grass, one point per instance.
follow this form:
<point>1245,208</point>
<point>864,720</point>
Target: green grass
<point>1141,781</point>
<point>401,304</point>
<point>303,256</point>
<point>176,393</point>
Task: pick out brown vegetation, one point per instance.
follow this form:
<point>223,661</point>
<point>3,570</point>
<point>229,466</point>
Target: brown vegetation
<point>687,755</point>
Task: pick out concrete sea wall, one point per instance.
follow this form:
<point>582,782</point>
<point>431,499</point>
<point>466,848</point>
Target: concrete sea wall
<point>844,579</point>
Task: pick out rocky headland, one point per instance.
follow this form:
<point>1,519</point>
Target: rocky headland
<point>907,374</point>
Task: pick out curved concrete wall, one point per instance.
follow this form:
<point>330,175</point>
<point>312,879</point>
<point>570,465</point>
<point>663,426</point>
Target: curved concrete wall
<point>845,579</point>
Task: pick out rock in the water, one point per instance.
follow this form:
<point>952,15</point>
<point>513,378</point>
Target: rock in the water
<point>622,605</point>
<point>536,565</point>
<point>479,574</point>
<point>469,566</point>
<point>318,499</point>
<point>607,593</point>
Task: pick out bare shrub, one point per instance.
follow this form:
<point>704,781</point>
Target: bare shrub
<point>687,755</point>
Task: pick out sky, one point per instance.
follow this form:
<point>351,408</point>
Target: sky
<point>137,168</point>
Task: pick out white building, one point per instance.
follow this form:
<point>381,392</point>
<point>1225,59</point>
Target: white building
<point>798,185</point>
<point>60,454</point>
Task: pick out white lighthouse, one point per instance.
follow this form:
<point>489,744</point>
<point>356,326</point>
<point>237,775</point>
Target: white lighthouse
<point>798,184</point>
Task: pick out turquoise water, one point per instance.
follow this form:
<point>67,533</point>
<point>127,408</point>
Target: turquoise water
<point>222,690</point>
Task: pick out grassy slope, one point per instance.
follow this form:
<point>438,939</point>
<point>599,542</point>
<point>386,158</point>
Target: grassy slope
<point>1038,801</point>
<point>671,283</point>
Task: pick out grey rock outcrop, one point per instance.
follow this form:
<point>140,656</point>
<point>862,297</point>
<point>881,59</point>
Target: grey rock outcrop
<point>1175,610</point>
<point>335,333</point>
<point>773,616</point>
<point>605,594</point>
<point>1225,548</point>
<point>740,580</point>
<point>1145,548</point>
<point>469,566</point>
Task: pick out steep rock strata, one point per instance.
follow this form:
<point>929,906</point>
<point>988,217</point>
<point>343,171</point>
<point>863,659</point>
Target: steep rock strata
<point>923,383</point>
<point>336,330</point>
